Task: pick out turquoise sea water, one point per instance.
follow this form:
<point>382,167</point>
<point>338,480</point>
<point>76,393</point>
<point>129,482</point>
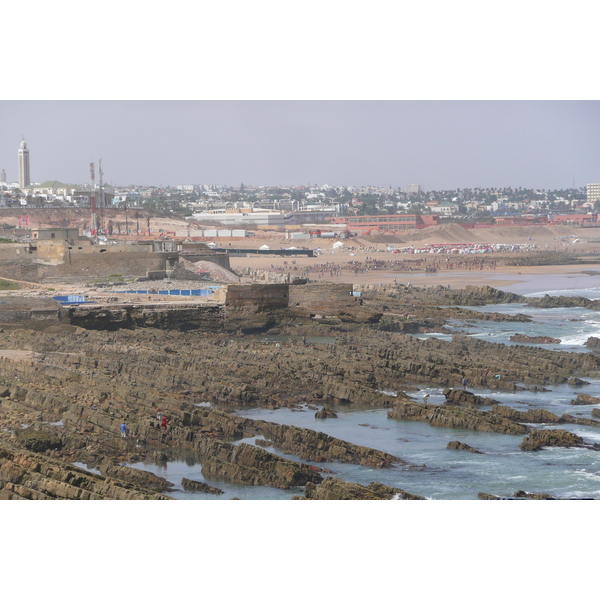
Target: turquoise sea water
<point>439,473</point>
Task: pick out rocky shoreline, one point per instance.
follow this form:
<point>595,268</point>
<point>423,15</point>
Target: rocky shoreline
<point>65,391</point>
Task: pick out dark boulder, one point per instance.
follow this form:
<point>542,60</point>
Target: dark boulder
<point>585,399</point>
<point>462,446</point>
<point>539,438</point>
<point>325,413</point>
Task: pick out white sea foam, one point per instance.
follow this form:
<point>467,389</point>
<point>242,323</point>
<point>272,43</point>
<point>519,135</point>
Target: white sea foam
<point>576,340</point>
<point>589,293</point>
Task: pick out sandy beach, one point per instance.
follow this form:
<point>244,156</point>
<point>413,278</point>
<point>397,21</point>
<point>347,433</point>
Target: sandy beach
<point>349,263</point>
<point>500,276</point>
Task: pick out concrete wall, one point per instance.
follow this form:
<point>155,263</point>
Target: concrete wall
<point>327,298</point>
<point>256,296</point>
<point>181,318</point>
<point>103,264</point>
<point>322,297</point>
<point>18,309</point>
<point>220,259</point>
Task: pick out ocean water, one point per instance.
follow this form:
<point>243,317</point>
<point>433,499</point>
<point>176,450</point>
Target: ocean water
<point>436,472</point>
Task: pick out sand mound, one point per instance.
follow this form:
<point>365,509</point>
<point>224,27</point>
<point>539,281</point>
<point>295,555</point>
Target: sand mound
<point>452,233</point>
<point>215,271</point>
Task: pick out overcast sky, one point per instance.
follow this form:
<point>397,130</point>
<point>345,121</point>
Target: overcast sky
<point>439,144</point>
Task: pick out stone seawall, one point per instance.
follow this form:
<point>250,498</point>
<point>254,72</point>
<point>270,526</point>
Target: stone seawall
<point>182,317</point>
<point>322,297</point>
<point>22,310</point>
<point>257,296</point>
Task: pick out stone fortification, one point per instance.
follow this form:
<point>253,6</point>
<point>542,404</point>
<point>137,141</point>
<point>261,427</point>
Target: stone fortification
<point>323,298</point>
<point>184,317</point>
<point>257,297</point>
<point>16,309</point>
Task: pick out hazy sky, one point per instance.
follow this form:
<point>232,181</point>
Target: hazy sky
<point>439,144</point>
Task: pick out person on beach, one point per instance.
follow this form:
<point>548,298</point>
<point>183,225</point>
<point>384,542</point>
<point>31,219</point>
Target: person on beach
<point>425,398</point>
<point>464,383</point>
<point>123,430</point>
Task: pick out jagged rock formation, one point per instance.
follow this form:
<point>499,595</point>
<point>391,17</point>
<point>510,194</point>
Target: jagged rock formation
<point>65,390</point>
<point>442,295</point>
<point>527,339</point>
<point>138,477</point>
<point>325,413</point>
<point>592,342</point>
<point>199,486</point>
<point>462,446</point>
<point>336,489</point>
<point>537,415</point>
<point>539,438</point>
<point>250,465</point>
<point>585,399</point>
<point>28,476</point>
<point>455,416</point>
<point>548,301</point>
<point>518,495</point>
<point>464,398</point>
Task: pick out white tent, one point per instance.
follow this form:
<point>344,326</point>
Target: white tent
<point>264,247</point>
<point>338,245</point>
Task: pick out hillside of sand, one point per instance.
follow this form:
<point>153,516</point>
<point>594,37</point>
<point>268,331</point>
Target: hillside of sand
<point>452,233</point>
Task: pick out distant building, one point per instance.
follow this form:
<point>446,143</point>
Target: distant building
<point>593,192</point>
<point>578,220</point>
<point>24,177</point>
<point>3,176</point>
<point>413,188</point>
<point>56,233</point>
<point>373,223</point>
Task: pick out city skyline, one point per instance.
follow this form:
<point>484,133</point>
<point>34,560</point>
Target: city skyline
<point>438,144</point>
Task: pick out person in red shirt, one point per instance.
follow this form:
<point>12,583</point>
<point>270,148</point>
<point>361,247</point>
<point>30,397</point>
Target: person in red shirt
<point>163,424</point>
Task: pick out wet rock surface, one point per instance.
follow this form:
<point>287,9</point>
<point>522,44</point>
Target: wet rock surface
<point>585,399</point>
<point>325,413</point>
<point>464,398</point>
<point>456,417</point>
<point>540,438</point>
<point>527,339</point>
<point>199,486</point>
<point>336,489</point>
<point>462,446</point>
<point>518,495</point>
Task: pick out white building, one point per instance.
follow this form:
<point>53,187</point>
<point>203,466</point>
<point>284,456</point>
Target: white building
<point>593,192</point>
<point>238,218</point>
<point>24,177</point>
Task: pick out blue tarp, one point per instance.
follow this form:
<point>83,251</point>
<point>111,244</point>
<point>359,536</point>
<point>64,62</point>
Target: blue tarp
<point>206,292</point>
<point>71,299</point>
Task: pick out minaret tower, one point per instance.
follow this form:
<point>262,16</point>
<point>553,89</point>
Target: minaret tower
<point>24,178</point>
